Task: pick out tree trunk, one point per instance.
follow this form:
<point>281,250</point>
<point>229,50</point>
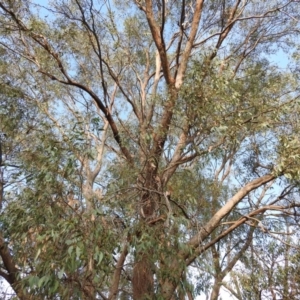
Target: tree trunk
<point>142,279</point>
<point>9,265</point>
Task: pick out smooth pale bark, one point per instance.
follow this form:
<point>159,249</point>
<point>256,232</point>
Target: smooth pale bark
<point>227,208</point>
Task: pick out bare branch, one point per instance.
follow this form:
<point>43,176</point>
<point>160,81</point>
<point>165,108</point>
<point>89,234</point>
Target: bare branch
<point>227,208</point>
<point>189,45</point>
<point>158,39</point>
<point>113,293</point>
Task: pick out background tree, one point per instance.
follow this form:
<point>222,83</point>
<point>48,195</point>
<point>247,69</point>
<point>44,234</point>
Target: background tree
<point>160,129</point>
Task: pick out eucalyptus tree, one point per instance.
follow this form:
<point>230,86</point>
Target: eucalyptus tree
<point>162,125</point>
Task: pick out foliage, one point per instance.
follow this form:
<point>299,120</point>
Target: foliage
<point>148,148</point>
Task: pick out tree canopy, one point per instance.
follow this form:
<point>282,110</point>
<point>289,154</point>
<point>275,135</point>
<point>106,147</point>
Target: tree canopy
<point>149,149</point>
